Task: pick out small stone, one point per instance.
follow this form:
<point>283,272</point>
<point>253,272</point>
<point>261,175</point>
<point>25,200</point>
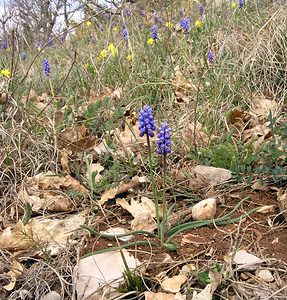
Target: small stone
<point>204,210</point>
<point>265,275</point>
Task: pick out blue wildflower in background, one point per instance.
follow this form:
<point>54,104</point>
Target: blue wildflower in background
<point>184,23</point>
<point>24,55</point>
<point>210,56</point>
<point>146,122</point>
<point>163,142</point>
<point>46,67</point>
<point>154,33</point>
<point>4,45</point>
<point>241,4</point>
<point>201,8</point>
<point>181,13</point>
<point>140,25</point>
<point>125,33</point>
<point>155,18</point>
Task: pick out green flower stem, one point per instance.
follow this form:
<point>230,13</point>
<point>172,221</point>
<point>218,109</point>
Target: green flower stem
<point>106,235</point>
<point>51,87</point>
<point>128,245</point>
<point>154,190</point>
<point>164,207</point>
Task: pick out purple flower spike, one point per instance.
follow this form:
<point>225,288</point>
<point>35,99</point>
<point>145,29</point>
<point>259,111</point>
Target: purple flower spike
<point>241,3</point>
<point>125,33</point>
<point>146,122</point>
<point>46,67</point>
<point>24,55</point>
<point>163,142</point>
<point>154,32</point>
<point>210,56</point>
<point>184,23</point>
<point>201,8</point>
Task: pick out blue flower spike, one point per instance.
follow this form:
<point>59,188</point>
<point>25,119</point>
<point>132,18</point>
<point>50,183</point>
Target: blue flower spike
<point>146,122</point>
<point>163,142</point>
<point>46,67</point>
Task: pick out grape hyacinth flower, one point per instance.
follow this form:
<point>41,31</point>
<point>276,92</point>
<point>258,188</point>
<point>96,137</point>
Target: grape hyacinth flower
<point>201,8</point>
<point>241,4</point>
<point>46,67</point>
<point>210,56</point>
<point>155,18</point>
<point>4,45</point>
<point>24,55</point>
<point>154,32</point>
<point>163,141</point>
<point>140,25</point>
<point>125,33</point>
<point>184,23</point>
<point>146,122</point>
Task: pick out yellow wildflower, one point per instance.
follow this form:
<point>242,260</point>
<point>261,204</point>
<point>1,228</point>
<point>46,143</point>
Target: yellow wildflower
<point>113,50</point>
<point>234,5</point>
<point>198,24</point>
<point>88,23</point>
<point>6,73</point>
<point>168,24</point>
<point>129,58</point>
<point>115,29</point>
<point>150,41</point>
<point>86,66</point>
<point>102,55</point>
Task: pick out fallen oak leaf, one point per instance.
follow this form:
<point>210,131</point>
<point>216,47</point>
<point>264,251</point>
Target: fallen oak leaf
<point>122,188</point>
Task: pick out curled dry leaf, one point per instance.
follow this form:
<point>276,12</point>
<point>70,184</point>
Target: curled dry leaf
<point>98,168</point>
<point>174,283</point>
<point>122,188</point>
<point>146,205</point>
<point>207,292</point>
<point>246,261</point>
<point>194,135</point>
<point>13,274</point>
<point>282,200</point>
<point>64,161</point>
<point>143,212</point>
<point>143,221</point>
<point>128,139</point>
<point>266,209</point>
<point>163,296</point>
<point>49,234</point>
<point>45,191</point>
<point>261,107</point>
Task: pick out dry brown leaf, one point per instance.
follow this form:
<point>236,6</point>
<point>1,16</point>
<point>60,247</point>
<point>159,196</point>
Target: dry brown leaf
<point>49,234</point>
<point>192,134</point>
<point>261,107</point>
<point>207,292</point>
<point>64,161</point>
<point>163,296</point>
<point>266,209</point>
<point>122,188</point>
<point>13,274</point>
<point>146,205</point>
<point>174,283</point>
<point>45,191</point>
<point>73,134</point>
<point>282,200</point>
<point>143,221</point>
<point>129,138</point>
<point>95,167</point>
